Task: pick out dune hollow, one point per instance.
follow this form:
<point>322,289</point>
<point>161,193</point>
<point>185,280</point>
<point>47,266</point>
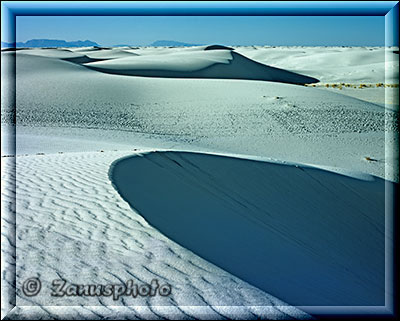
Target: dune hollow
<point>308,236</point>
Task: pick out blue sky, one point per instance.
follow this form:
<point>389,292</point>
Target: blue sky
<point>227,30</point>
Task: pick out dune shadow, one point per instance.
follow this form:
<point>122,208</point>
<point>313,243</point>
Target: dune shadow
<point>218,47</point>
<point>82,60</point>
<point>307,236</point>
<point>240,67</point>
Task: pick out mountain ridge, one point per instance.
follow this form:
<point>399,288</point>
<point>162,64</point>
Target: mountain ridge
<point>37,43</point>
<point>43,43</point>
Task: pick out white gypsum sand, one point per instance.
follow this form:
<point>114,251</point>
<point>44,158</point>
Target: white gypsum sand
<point>257,219</point>
<point>63,106</point>
<point>73,225</point>
<point>249,117</point>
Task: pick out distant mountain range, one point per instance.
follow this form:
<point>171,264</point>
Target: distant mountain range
<point>45,43</point>
<point>171,43</point>
<point>35,43</point>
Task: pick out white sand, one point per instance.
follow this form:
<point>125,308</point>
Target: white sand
<point>288,229</point>
<point>179,61</point>
<point>332,64</point>
<point>72,224</point>
<point>81,227</point>
<point>246,117</point>
<point>205,62</point>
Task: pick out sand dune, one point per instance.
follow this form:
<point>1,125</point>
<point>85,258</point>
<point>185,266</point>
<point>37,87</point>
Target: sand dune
<point>248,117</point>
<point>211,62</point>
<point>84,49</point>
<point>262,118</point>
<point>108,53</point>
<point>331,64</point>
<point>50,53</point>
<point>217,47</point>
<point>80,56</point>
<point>173,62</point>
<point>82,59</point>
<point>72,224</point>
<point>201,62</point>
<point>306,235</point>
<point>73,122</point>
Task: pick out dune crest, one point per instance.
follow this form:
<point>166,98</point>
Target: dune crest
<point>218,47</point>
<point>306,235</point>
<point>212,62</point>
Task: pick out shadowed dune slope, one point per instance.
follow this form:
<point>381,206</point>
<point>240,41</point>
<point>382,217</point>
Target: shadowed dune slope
<point>236,66</point>
<point>306,235</point>
<point>81,59</point>
<point>98,55</point>
<point>217,47</point>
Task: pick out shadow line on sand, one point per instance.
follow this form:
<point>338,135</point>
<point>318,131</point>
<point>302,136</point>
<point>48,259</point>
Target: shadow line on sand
<point>305,235</point>
<point>240,67</point>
